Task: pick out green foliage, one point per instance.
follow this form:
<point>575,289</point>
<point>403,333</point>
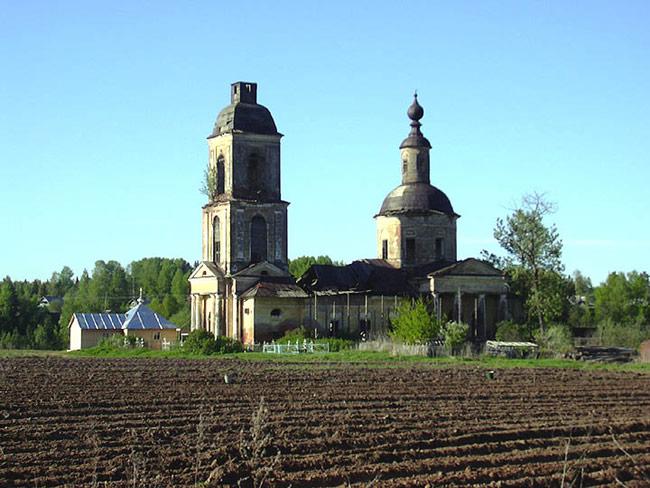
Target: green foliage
<point>455,334</point>
<point>203,342</point>
<point>413,323</point>
<point>200,341</point>
<point>182,317</point>
<point>209,184</point>
<point>614,334</point>
<point>623,299</point>
<point>227,345</point>
<point>297,334</point>
<point>533,257</point>
<point>299,265</point>
<point>555,340</point>
<point>302,333</point>
<point>509,331</point>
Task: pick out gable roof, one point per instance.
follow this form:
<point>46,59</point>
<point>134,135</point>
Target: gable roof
<point>263,268</point>
<point>139,317</point>
<point>468,267</point>
<point>274,289</point>
<point>206,269</point>
<point>99,321</point>
<point>142,317</point>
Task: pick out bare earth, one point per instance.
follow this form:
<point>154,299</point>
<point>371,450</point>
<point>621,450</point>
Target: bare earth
<point>168,422</point>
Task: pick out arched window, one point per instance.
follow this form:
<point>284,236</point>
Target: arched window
<point>255,176</point>
<point>258,239</point>
<point>220,174</point>
<point>405,166</point>
<point>216,240</point>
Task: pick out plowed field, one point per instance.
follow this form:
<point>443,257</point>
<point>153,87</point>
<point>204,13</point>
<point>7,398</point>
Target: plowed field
<point>164,422</point>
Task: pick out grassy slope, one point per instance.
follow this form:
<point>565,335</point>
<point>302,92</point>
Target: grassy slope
<point>348,356</point>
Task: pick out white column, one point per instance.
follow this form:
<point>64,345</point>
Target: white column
<point>215,329</point>
<point>235,316</point>
<point>218,308</point>
<point>192,312</point>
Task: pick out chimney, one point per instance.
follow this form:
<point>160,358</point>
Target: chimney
<point>244,92</point>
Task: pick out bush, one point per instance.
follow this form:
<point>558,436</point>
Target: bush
<point>509,331</point>
<point>555,340</point>
<point>455,334</point>
<point>228,345</point>
<point>622,335</point>
<point>200,341</point>
<point>413,323</point>
<point>297,334</point>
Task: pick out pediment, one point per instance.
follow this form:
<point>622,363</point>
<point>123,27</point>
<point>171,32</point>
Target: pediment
<point>263,268</point>
<point>469,267</point>
<point>206,269</point>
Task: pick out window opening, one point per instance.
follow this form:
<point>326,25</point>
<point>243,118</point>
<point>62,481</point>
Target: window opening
<point>409,251</point>
<point>440,248</point>
<point>221,174</point>
<point>276,312</point>
<point>258,239</point>
<point>384,249</point>
<point>216,240</point>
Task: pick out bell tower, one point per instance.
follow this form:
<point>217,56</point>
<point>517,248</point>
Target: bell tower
<point>245,219</point>
<point>416,224</point>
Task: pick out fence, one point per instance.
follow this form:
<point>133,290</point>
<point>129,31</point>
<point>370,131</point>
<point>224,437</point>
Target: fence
<point>296,348</point>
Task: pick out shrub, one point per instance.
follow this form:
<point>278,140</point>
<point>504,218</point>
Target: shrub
<point>622,335</point>
<point>455,334</point>
<point>509,331</point>
<point>228,345</point>
<point>297,334</point>
<point>413,323</point>
<point>200,341</point>
<point>555,340</point>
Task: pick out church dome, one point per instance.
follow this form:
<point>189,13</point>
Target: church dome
<point>416,198</point>
<point>245,117</point>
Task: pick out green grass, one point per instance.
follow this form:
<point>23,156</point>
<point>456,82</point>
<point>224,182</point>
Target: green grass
<point>14,353</point>
<point>350,356</point>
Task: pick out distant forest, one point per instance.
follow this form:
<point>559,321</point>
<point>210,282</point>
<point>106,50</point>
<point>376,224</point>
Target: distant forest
<point>620,306</point>
<point>25,323</point>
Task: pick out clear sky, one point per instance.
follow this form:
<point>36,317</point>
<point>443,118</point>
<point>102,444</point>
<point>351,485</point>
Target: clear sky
<point>105,107</point>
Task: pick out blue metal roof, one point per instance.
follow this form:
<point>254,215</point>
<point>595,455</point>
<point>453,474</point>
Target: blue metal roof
<point>142,317</point>
<point>139,317</point>
<point>101,321</point>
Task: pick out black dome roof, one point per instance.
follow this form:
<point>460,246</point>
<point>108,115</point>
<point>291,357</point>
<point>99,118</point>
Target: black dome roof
<point>245,117</point>
<point>416,198</point>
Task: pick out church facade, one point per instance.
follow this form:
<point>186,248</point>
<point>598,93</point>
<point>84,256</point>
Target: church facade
<point>242,287</point>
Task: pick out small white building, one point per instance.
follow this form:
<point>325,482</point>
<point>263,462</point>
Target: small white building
<point>89,329</point>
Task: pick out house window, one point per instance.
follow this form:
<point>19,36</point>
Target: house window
<point>156,336</point>
<point>276,312</point>
<point>409,251</point>
<point>384,249</point>
<point>440,248</point>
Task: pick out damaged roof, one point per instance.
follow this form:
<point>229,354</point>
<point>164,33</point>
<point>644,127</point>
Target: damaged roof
<point>374,276</point>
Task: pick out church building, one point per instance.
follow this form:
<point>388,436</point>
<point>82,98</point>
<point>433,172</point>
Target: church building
<point>242,287</point>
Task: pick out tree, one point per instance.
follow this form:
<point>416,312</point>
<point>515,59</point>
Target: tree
<point>298,266</point>
<point>414,324</point>
<point>534,253</point>
<point>623,299</point>
<point>209,183</point>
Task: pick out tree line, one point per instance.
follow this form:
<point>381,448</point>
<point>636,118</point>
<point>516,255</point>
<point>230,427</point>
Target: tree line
<point>24,323</point>
<point>619,308</point>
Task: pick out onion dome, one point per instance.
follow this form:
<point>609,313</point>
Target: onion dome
<point>415,138</point>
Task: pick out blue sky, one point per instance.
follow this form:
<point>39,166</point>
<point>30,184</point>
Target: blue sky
<point>105,107</point>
